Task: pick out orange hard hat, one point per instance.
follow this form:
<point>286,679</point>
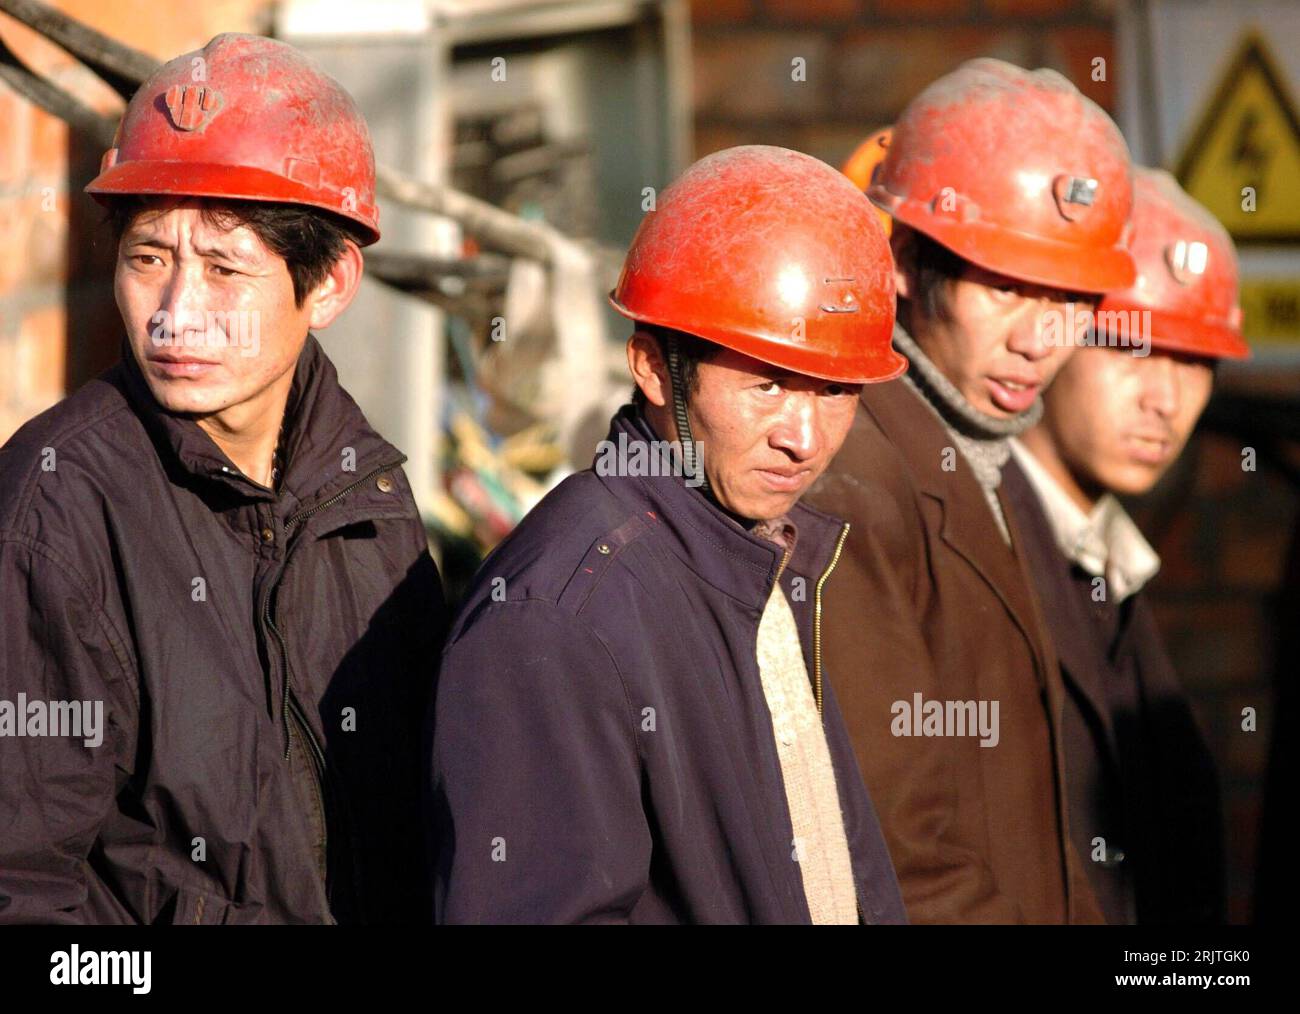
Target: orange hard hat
<point>861,166</point>
<point>1187,272</point>
<point>1017,172</point>
<point>771,253</point>
<point>250,118</point>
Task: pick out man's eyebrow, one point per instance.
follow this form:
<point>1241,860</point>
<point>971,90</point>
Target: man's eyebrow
<point>143,238</point>
<point>230,253</point>
<point>140,237</point>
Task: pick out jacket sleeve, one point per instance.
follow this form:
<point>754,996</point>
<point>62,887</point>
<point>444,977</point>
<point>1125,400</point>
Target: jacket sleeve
<point>876,655</point>
<point>56,790</point>
<point>536,779</point>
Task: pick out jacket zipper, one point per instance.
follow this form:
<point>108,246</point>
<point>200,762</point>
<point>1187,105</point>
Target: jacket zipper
<point>817,651</point>
<point>289,525</point>
<point>289,705</point>
<point>817,664</point>
<point>817,618</point>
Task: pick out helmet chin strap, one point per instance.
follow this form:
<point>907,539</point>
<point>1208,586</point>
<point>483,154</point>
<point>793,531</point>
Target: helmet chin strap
<point>690,460</point>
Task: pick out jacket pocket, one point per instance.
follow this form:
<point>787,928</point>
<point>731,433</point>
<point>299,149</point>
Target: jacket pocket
<point>194,908</point>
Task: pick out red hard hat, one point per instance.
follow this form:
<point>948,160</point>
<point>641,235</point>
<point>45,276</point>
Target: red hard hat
<point>771,253</point>
<point>1017,172</point>
<point>861,166</point>
<point>1187,272</point>
<point>245,117</point>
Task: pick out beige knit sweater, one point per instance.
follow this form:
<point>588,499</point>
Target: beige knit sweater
<point>820,846</point>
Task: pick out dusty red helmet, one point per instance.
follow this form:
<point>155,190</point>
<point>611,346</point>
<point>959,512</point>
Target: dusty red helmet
<point>1187,272</point>
<point>1016,171</point>
<point>245,117</point>
<point>771,253</point>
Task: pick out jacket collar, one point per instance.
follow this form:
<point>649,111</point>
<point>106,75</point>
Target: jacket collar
<point>321,422</point>
<point>968,526</point>
<point>707,539</point>
<point>1104,543</point>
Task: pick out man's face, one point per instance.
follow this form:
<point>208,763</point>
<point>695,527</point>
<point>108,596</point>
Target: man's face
<point>209,313</point>
<point>994,345</point>
<point>1117,421</point>
<point>765,434</point>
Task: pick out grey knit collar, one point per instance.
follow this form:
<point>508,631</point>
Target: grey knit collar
<point>984,441</point>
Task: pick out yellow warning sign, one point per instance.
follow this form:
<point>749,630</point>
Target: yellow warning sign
<point>1271,309</point>
<point>1242,160</point>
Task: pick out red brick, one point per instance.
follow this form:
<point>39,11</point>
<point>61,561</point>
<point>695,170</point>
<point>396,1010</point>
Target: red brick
<point>832,143</point>
<point>748,75</point>
<point>710,138</point>
<point>16,215</point>
<point>1181,568</point>
<point>1218,464</point>
<point>1215,643</point>
<point>40,350</point>
<point>712,12</point>
<point>1072,51</point>
<point>1030,8</point>
<point>912,9</point>
<point>14,138</point>
<point>47,243</point>
<point>49,144</point>
<point>35,240</point>
<point>812,11</point>
<point>1253,552</point>
<point>881,70</point>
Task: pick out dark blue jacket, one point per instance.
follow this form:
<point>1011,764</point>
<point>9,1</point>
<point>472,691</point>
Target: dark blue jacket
<point>602,749</point>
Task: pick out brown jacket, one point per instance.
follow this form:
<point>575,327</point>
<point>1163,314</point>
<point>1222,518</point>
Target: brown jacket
<point>930,601</point>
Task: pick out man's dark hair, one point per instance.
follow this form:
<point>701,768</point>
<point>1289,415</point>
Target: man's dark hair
<point>691,351</point>
<point>933,269</point>
<point>310,240</point>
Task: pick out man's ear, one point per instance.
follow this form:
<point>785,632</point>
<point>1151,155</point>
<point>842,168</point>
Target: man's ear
<point>337,289</point>
<point>904,250</point>
<point>645,359</point>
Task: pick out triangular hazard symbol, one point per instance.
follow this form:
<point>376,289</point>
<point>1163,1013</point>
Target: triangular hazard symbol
<point>1243,159</point>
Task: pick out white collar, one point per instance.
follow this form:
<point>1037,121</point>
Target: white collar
<point>1105,543</point>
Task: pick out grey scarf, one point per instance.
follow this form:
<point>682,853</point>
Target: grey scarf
<point>982,439</point>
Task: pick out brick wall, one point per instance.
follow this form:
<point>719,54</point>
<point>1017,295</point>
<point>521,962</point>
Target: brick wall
<point>864,59</point>
<point>1224,535</point>
<point>58,322</point>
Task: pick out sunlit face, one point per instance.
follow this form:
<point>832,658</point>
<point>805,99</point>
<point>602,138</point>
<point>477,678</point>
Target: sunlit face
<point>995,344</point>
<point>1117,421</point>
<point>209,313</point>
<point>765,435</point>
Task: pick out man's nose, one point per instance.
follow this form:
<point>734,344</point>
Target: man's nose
<point>1045,324</point>
<point>183,300</point>
<point>797,430</point>
<point>1161,386</point>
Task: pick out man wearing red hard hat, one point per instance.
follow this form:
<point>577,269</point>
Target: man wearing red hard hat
<point>207,555</point>
<point>633,721</point>
<point>1010,194</point>
<point>1143,793</point>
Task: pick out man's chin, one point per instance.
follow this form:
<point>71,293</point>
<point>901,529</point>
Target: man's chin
<point>764,507</point>
<point>186,398</point>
